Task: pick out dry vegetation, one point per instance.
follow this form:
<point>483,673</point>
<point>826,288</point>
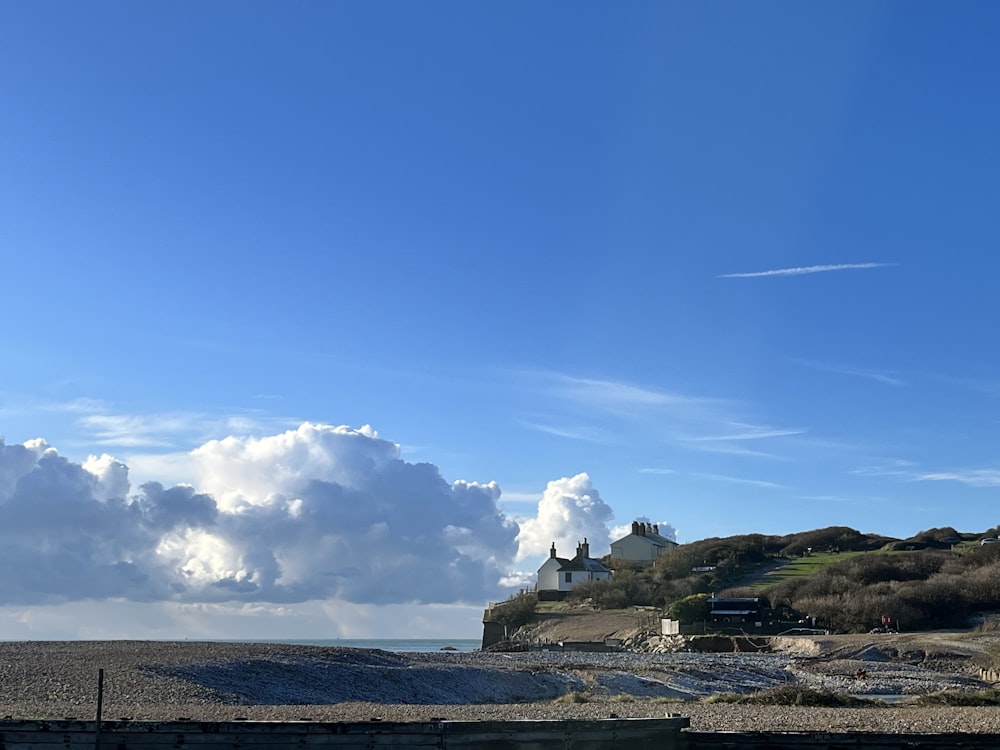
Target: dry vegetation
<point>841,577</point>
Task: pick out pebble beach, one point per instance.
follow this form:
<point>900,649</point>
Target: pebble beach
<point>210,681</point>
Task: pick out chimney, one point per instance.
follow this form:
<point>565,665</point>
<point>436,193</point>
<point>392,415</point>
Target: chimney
<point>656,529</point>
<point>552,552</point>
<point>635,528</point>
<point>642,529</point>
<point>585,548</point>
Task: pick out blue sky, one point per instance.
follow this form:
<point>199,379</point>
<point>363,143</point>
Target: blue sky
<point>734,263</point>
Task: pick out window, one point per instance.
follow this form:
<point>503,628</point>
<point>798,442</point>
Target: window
<point>569,578</point>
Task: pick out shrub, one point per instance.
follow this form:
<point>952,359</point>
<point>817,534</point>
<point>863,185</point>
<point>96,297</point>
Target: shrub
<point>792,695</point>
<point>960,698</point>
<point>690,609</point>
<point>518,610</point>
<point>833,537</point>
<point>920,590</point>
<point>626,588</point>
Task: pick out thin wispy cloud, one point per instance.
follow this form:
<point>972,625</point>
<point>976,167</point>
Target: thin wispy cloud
<point>826,499</point>
<point>704,423</point>
<point>741,480</point>
<point>971,477</point>
<point>984,386</point>
<point>748,432</point>
<point>727,449</point>
<point>130,431</point>
<point>610,392</point>
<point>661,472</point>
<point>82,405</point>
<point>103,424</point>
<point>843,500</point>
<point>578,433</point>
<point>618,396</point>
<point>893,467</point>
<point>803,270</point>
<point>858,372</point>
<point>164,430</point>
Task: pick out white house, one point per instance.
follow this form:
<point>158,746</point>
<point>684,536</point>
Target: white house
<point>558,575</point>
<point>644,544</point>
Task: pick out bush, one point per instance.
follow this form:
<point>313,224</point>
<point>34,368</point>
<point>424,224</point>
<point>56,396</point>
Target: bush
<point>920,590</point>
<point>834,537</point>
<point>690,609</point>
<point>517,611</point>
<point>792,695</point>
<point>960,698</point>
<point>626,588</point>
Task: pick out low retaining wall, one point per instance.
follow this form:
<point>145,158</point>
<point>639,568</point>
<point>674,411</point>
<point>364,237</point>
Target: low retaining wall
<point>604,734</point>
<point>838,741</point>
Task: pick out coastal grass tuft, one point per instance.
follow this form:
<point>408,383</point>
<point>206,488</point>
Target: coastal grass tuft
<point>573,697</point>
<point>791,695</point>
<point>989,697</point>
<point>993,651</point>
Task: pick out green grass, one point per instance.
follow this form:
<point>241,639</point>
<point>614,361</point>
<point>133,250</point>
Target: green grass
<point>966,547</point>
<point>802,567</point>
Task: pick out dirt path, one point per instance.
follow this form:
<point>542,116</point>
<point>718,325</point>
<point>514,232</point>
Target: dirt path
<point>590,625</point>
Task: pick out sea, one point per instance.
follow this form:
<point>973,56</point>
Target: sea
<point>422,645</point>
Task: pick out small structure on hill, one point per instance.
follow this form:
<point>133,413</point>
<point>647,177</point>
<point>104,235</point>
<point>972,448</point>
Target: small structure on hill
<point>644,544</point>
<point>744,612</point>
<point>557,575</point>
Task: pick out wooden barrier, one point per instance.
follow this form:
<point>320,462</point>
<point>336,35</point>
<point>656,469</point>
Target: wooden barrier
<point>603,734</point>
<point>669,733</point>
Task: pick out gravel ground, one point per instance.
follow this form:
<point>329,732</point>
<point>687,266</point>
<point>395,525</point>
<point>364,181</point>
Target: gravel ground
<point>227,681</point>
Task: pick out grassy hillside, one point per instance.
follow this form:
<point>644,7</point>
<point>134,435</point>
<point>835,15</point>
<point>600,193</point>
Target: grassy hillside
<point>798,567</point>
<point>843,578</point>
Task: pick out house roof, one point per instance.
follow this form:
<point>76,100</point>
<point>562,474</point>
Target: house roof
<point>654,539</point>
<point>582,563</point>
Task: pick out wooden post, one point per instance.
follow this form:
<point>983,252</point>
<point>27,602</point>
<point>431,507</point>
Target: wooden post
<point>100,705</point>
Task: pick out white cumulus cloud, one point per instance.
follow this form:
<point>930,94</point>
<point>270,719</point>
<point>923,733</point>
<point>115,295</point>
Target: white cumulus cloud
<point>667,529</point>
<point>315,513</point>
<point>570,510</point>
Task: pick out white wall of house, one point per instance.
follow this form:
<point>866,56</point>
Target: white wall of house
<point>570,578</point>
<point>548,575</point>
<point>550,578</point>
